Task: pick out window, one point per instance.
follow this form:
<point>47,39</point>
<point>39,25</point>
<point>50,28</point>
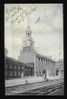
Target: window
<point>57,71</point>
<point>10,66</point>
<point>40,59</point>
<point>18,73</point>
<point>22,67</point>
<point>7,66</point>
<point>18,67</point>
<point>15,73</point>
<point>10,74</point>
<point>45,61</point>
<point>15,67</point>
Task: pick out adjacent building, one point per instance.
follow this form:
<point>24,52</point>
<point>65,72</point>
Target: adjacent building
<point>15,69</point>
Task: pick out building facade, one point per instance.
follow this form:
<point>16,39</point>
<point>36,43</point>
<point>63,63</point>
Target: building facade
<point>30,62</point>
<point>42,64</point>
<point>15,69</point>
<point>60,67</point>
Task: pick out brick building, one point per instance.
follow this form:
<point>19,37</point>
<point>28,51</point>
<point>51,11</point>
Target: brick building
<point>15,69</point>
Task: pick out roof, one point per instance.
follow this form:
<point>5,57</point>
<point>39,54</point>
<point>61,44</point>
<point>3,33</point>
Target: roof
<point>11,60</point>
<point>44,57</point>
<point>14,61</point>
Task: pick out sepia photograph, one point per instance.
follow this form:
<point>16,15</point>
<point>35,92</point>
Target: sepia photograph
<point>34,58</point>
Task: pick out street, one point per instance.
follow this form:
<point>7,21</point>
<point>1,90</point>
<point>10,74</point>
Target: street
<point>55,87</point>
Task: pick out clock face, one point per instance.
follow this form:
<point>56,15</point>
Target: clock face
<point>28,43</point>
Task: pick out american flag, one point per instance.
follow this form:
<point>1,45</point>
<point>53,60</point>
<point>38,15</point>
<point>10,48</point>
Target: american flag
<point>38,19</point>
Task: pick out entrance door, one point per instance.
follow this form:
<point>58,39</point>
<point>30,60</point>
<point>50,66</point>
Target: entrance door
<point>44,73</point>
<point>28,71</point>
<point>57,72</point>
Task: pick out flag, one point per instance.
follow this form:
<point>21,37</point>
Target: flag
<point>38,19</point>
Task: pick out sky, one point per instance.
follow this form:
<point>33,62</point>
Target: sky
<point>46,22</point>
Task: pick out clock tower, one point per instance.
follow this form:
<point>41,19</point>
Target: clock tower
<point>27,52</point>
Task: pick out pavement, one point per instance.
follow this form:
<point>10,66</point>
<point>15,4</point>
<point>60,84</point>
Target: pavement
<point>19,81</point>
<point>52,90</point>
<point>15,90</point>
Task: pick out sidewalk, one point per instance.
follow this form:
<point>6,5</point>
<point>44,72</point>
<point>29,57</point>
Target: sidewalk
<point>14,90</point>
<point>20,81</point>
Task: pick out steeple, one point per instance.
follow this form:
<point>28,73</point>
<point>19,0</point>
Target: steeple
<point>28,31</point>
<point>27,52</point>
<point>28,41</point>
